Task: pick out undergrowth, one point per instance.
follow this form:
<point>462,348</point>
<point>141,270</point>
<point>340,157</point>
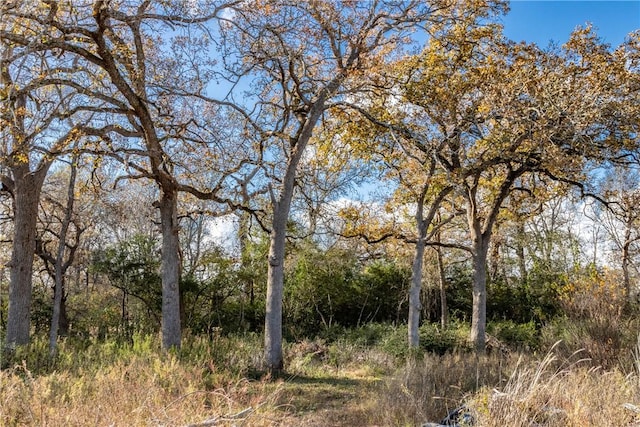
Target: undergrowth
<point>357,377</point>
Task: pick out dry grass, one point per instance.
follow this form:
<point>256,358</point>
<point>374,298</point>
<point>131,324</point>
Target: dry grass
<point>518,390</point>
<point>114,385</point>
<point>137,392</point>
<point>556,392</point>
<point>427,389</point>
<point>338,384</point>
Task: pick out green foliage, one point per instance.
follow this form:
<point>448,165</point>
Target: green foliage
<point>219,295</point>
<point>226,296</point>
<point>535,300</point>
<point>524,336</point>
<point>367,335</point>
<point>385,284</point>
<point>318,289</point>
<point>96,315</point>
<point>459,299</point>
<point>438,340</point>
<point>133,267</point>
<point>41,309</point>
<point>328,288</point>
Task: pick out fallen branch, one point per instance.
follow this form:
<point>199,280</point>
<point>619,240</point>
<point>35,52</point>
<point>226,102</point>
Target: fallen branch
<point>213,421</point>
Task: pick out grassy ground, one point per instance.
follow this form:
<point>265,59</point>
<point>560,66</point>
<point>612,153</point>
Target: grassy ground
<point>343,383</point>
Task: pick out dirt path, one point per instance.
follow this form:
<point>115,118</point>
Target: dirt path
<point>343,400</point>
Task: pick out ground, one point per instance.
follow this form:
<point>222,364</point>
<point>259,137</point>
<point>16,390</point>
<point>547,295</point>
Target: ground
<point>342,400</point>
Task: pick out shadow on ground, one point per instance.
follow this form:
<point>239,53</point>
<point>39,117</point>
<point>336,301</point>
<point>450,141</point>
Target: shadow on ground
<point>329,401</point>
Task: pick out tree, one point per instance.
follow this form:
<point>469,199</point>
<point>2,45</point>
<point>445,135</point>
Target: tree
<point>424,107</point>
<point>36,124</point>
<point>504,111</point>
<point>303,57</point>
<point>58,262</point>
<point>621,218</point>
<point>134,109</point>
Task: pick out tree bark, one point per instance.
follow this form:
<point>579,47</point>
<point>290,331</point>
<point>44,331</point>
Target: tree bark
<point>281,210</point>
<point>626,261</point>
<point>275,289</point>
<point>479,314</point>
<point>480,238</point>
<point>444,311</point>
<point>415,305</point>
<point>27,188</point>
<point>522,265</point>
<point>58,294</point>
<point>63,325</point>
<point>481,230</point>
<point>171,334</point>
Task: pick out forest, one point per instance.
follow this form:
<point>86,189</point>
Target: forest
<point>321,212</point>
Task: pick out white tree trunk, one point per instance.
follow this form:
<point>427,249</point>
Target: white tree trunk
<point>415,305</point>
<point>275,272</point>
<point>281,210</point>
<point>275,290</point>
<point>171,332</point>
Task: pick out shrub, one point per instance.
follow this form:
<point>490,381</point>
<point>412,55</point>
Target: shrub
<point>436,339</point>
<point>521,336</point>
<point>594,302</point>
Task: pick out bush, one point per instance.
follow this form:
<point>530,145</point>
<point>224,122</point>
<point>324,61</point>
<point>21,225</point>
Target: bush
<point>437,340</point>
<point>328,288</point>
<point>594,321</point>
<point>521,336</point>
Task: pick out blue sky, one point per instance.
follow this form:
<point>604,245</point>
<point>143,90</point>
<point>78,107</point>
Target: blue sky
<point>541,21</point>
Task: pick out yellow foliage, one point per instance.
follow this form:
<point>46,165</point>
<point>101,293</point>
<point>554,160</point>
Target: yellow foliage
<point>595,294</point>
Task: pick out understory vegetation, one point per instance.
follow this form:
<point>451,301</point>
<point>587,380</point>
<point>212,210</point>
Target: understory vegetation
<point>561,348</point>
<point>570,371</point>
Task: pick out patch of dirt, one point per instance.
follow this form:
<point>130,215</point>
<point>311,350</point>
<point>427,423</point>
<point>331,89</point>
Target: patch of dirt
<point>329,401</point>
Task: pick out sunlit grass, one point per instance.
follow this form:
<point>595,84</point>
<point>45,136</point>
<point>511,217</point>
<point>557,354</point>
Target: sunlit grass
<point>344,382</point>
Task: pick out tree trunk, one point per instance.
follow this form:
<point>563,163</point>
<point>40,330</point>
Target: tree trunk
<point>63,326</point>
<point>626,257</point>
<point>480,249</point>
<point>27,188</point>
<point>58,295</point>
<point>58,290</point>
<point>479,316</point>
<point>415,306</point>
<point>479,252</point>
<point>522,264</point>
<point>171,334</point>
<point>495,258</point>
<point>275,287</point>
<point>281,209</point>
<point>444,313</point>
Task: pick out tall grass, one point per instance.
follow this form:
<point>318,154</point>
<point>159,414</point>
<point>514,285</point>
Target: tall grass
<point>363,378</point>
<point>514,390</point>
<point>560,392</point>
<point>129,385</point>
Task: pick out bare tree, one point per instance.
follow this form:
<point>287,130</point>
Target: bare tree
<point>58,262</point>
